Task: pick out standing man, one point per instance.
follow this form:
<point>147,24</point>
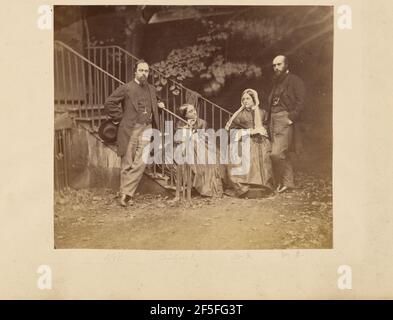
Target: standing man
<point>138,109</point>
<point>285,104</point>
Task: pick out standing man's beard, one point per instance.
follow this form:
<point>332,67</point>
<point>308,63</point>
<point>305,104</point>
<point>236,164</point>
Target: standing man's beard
<point>278,75</point>
<point>142,80</point>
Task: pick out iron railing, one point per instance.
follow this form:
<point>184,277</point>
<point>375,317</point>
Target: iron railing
<point>183,181</point>
<point>120,63</point>
<point>62,156</point>
<point>81,88</point>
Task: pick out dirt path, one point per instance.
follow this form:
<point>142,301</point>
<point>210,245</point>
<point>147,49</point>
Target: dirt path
<point>93,219</point>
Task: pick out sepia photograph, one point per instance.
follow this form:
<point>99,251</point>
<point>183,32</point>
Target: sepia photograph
<point>193,127</point>
<point>191,151</point>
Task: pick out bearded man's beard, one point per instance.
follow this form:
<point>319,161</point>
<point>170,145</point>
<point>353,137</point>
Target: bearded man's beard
<point>279,75</point>
<point>142,80</point>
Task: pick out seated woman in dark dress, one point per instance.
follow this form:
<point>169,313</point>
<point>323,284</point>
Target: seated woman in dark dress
<point>260,173</point>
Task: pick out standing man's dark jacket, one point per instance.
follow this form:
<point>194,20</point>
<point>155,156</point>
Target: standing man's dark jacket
<point>291,92</point>
<point>121,106</point>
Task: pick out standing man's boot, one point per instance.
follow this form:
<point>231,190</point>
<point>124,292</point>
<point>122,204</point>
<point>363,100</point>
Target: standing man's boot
<point>124,200</point>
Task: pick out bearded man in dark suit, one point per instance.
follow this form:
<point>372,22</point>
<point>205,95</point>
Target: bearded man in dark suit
<point>135,106</point>
<point>285,106</point>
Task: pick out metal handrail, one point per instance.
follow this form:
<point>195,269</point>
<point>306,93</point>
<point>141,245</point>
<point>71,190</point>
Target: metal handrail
<point>87,60</point>
<point>81,86</point>
<point>60,43</point>
<point>161,74</point>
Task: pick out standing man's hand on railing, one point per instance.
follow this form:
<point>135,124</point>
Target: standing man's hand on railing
<point>161,105</point>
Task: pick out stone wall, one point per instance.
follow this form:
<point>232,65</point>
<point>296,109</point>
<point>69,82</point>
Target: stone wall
<point>96,165</point>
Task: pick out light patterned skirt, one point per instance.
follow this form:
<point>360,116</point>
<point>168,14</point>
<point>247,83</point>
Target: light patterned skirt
<point>260,173</point>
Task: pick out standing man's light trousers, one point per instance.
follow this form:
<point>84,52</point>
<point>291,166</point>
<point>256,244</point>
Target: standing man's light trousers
<point>282,137</point>
<point>132,164</point>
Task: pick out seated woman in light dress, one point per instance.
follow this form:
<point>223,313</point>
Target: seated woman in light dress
<point>260,174</point>
<point>206,178</point>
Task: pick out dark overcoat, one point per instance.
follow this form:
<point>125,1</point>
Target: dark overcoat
<point>121,106</point>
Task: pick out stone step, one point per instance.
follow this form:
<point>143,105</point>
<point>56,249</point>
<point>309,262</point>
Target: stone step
<point>76,108</point>
<point>90,118</point>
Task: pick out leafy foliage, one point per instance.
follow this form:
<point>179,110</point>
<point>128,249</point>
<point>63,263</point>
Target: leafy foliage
<point>206,60</point>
